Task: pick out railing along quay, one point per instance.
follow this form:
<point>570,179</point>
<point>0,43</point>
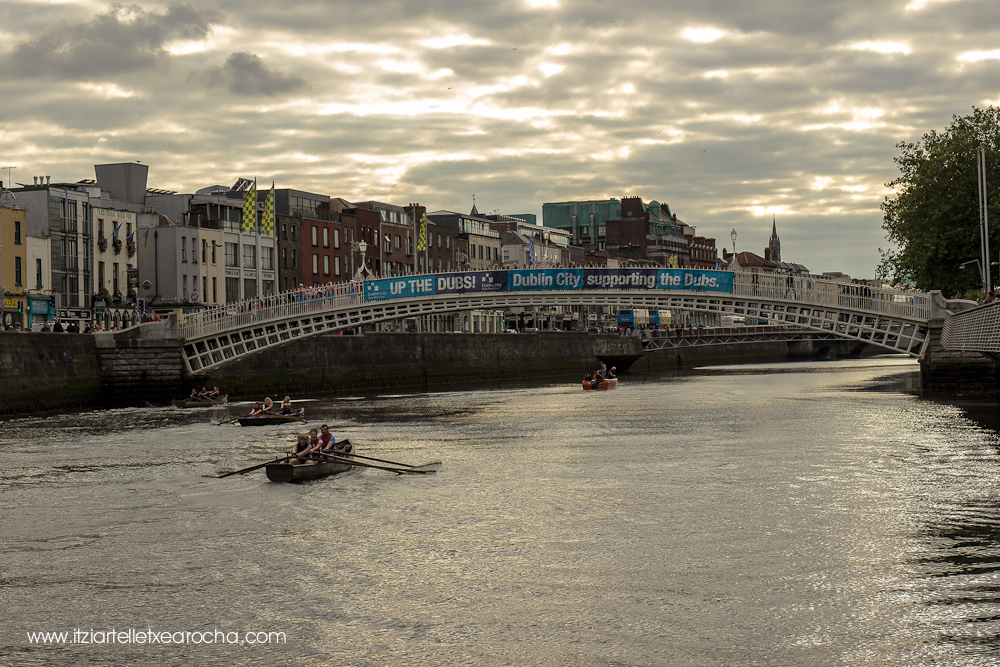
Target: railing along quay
<point>974,330</point>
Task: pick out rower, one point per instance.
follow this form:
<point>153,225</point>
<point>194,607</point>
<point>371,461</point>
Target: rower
<point>286,405</point>
<point>327,443</point>
<point>302,449</point>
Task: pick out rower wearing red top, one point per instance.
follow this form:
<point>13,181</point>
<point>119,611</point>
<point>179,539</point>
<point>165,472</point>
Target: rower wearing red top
<point>327,442</point>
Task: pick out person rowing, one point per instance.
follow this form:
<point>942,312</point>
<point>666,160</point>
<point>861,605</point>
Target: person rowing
<point>327,443</point>
<point>302,449</point>
<point>286,405</point>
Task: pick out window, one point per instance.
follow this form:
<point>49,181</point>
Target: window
<point>17,270</point>
<point>100,275</point>
<point>439,240</point>
<point>326,264</point>
<point>314,240</point>
<point>215,290</point>
<point>204,251</point>
<point>17,232</point>
<point>268,287</point>
<point>204,287</point>
<point>38,273</point>
<point>284,258</point>
<point>447,242</point>
<point>214,246</point>
<point>184,250</point>
<point>315,263</point>
<point>336,265</point>
<point>232,289</point>
<point>100,227</point>
<point>184,287</point>
<point>336,238</point>
<point>284,232</point>
<point>399,242</point>
<point>267,258</point>
<point>293,232</point>
<point>250,288</point>
<point>114,277</point>
<point>326,237</point>
<point>294,261</point>
<point>250,259</point>
<point>232,259</point>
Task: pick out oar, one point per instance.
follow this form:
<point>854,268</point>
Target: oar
<point>395,463</point>
<point>398,471</point>
<point>256,467</point>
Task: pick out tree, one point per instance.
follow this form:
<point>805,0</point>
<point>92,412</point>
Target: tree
<point>934,217</point>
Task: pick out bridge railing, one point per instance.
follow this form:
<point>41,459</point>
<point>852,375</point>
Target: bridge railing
<point>833,293</point>
<point>275,307</point>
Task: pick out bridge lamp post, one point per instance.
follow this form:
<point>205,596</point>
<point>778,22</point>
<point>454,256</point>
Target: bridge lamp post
<point>732,235</point>
<point>979,266</point>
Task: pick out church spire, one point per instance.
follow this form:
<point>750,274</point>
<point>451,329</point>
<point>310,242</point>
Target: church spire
<point>774,245</point>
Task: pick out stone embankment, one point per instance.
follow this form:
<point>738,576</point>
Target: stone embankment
<point>48,371</point>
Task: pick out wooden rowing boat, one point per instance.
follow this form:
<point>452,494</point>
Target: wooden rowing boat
<point>605,383</point>
<point>297,471</point>
<point>271,418</point>
<point>201,402</point>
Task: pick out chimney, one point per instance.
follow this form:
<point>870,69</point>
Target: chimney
<point>767,254</point>
<point>48,180</point>
<point>36,179</point>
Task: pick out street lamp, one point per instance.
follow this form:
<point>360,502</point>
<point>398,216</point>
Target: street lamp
<point>732,235</point>
<point>363,270</point>
<point>978,266</point>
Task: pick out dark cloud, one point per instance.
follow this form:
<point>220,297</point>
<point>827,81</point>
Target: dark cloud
<point>126,38</point>
<point>436,101</point>
<point>244,74</point>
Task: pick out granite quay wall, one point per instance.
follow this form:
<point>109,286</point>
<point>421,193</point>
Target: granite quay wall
<point>335,363</point>
<point>955,374</point>
<point>47,371</point>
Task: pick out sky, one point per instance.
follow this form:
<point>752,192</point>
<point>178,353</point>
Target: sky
<point>735,113</point>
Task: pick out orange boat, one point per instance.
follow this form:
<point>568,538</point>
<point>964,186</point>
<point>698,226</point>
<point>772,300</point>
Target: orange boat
<point>603,383</point>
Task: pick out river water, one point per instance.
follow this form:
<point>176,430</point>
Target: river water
<point>777,514</point>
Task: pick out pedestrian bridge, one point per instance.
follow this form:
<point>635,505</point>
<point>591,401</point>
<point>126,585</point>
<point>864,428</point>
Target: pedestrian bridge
<point>892,319</point>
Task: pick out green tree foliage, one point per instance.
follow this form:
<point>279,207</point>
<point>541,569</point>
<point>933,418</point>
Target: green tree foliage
<point>934,217</point>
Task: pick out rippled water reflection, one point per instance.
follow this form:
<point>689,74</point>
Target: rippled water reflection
<point>782,514</point>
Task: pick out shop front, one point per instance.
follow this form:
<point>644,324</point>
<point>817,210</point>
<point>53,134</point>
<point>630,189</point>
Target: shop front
<point>13,311</point>
<point>40,312</point>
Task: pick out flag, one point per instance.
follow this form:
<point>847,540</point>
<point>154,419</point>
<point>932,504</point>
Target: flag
<point>250,209</point>
<point>145,238</point>
<point>131,237</point>
<point>531,249</point>
<point>422,239</point>
<point>114,234</point>
<point>267,220</point>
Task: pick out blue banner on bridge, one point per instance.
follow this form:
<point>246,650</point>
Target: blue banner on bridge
<point>526,280</point>
<point>531,280</point>
<point>474,281</point>
<point>405,287</point>
<point>694,279</point>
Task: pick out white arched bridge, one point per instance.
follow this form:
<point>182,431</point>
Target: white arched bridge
<point>892,319</point>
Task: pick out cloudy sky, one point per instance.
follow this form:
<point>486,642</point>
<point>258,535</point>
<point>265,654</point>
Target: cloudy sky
<point>730,111</point>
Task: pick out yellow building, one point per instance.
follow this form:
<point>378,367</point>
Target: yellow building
<point>13,264</point>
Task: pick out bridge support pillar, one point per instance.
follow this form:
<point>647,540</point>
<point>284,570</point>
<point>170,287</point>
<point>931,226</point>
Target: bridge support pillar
<point>954,374</point>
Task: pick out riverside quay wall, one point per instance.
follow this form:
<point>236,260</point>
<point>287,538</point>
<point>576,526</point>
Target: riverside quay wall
<point>50,371</point>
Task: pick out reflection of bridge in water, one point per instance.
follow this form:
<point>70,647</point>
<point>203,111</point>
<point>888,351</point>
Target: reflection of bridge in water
<point>891,319</point>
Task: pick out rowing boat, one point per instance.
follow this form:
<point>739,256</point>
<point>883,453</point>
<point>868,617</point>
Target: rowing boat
<point>271,418</point>
<point>297,470</point>
<point>605,383</point>
<point>209,402</point>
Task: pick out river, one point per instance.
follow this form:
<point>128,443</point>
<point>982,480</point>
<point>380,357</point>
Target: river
<point>772,514</point>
